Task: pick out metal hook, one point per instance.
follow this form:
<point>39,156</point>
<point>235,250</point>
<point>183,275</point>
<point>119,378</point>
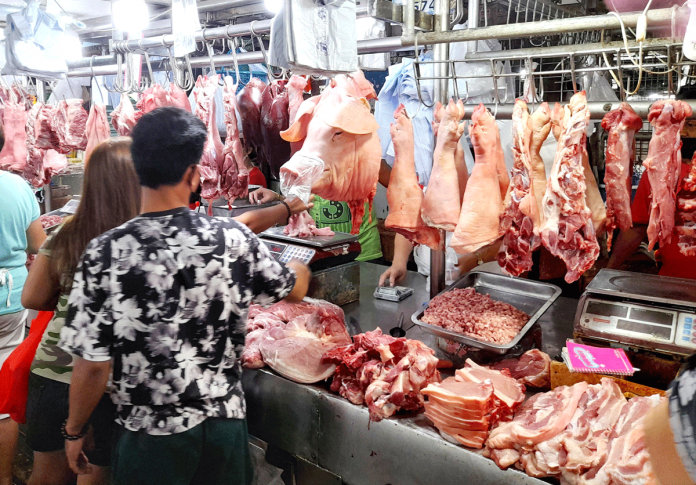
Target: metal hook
<point>211,54</point>
<point>269,70</point>
<point>416,74</point>
<point>234,61</point>
<point>532,86</point>
<point>91,68</point>
<point>572,73</point>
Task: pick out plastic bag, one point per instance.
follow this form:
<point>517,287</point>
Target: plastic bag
<point>369,28</point>
<point>36,43</point>
<point>14,375</point>
<point>185,23</point>
<point>298,175</point>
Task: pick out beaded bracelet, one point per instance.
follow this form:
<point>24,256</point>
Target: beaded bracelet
<point>72,437</point>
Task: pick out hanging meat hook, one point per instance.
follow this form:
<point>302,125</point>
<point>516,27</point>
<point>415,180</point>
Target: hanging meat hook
<point>269,69</point>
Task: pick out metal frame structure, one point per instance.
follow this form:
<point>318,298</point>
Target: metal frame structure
<point>413,22</point>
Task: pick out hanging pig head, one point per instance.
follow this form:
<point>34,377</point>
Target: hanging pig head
<point>339,129</point>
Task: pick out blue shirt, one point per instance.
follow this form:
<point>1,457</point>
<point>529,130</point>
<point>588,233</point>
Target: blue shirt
<point>18,209</point>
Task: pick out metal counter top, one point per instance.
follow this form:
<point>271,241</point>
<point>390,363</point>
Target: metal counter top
<point>314,424</point>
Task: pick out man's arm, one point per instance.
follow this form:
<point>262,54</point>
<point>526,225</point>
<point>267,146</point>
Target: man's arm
<point>35,236</point>
<point>261,219</point>
<point>659,441</point>
<point>626,245</point>
<point>397,271</point>
<point>303,275</point>
<point>87,387</point>
<point>469,261</point>
<point>384,173</point>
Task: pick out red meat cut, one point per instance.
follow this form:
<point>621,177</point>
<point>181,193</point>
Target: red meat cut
<point>249,101</point>
<point>235,176</point>
<point>274,119</point>
<point>291,338</point>
<point>533,368</point>
<point>520,220</point>
<point>621,125</point>
<point>123,116</point>
<point>663,165</point>
<point>13,156</point>
<point>568,230</point>
<point>70,123</point>
<point>213,158</point>
<point>98,128</point>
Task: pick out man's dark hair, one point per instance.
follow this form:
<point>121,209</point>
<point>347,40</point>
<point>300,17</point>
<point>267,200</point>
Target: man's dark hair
<point>166,142</point>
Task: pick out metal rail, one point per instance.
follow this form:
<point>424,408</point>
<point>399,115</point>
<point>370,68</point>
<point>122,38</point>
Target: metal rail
<point>597,109</point>
<point>108,67</point>
<point>256,27</point>
<point>543,27</point>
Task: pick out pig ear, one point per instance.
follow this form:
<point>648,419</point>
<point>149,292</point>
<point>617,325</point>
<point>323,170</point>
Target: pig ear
<point>298,130</point>
<point>352,116</point>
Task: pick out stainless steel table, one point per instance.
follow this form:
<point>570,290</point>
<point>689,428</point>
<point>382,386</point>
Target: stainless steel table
<point>321,428</point>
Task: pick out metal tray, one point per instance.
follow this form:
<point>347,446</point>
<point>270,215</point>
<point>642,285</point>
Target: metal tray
<point>531,297</point>
<point>319,242</point>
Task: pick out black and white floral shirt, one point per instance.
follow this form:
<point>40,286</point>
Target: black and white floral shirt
<point>682,415</point>
<point>166,297</point>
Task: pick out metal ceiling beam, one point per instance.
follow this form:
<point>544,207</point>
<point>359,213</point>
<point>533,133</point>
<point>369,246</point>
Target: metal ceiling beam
<point>544,27</point>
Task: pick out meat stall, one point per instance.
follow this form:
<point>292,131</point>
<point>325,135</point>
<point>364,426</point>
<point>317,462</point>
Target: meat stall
<point>494,175</point>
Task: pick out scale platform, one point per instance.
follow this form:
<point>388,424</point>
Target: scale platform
<point>650,312</point>
<point>318,252</point>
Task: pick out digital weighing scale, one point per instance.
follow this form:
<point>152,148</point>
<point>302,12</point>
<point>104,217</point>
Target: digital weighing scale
<point>335,273</point>
<point>643,311</point>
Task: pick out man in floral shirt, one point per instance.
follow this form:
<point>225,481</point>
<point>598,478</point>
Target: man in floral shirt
<point>163,299</point>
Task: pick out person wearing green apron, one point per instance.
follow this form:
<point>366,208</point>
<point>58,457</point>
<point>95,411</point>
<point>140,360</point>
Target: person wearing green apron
<point>336,215</point>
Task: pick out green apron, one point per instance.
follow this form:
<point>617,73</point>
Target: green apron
<point>336,215</point>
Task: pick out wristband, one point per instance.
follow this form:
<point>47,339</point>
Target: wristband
<point>289,211</point>
<point>73,437</point>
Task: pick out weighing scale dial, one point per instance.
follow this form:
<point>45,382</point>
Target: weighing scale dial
<point>652,325</point>
<point>284,252</point>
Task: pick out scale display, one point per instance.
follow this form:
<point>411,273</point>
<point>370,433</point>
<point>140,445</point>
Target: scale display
<point>650,325</point>
<point>286,252</point>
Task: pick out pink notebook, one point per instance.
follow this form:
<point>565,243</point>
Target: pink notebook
<point>600,360</point>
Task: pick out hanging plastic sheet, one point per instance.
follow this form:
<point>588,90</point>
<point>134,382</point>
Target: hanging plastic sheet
<point>369,28</point>
<point>35,43</point>
<point>185,23</point>
<point>315,37</point>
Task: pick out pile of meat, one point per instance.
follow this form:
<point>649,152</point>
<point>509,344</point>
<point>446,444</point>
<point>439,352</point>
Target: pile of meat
<point>291,338</point>
<point>686,216</point>
<point>584,434</point>
<point>478,316</point>
<point>384,372</point>
<point>336,131</point>
<point>464,407</point>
